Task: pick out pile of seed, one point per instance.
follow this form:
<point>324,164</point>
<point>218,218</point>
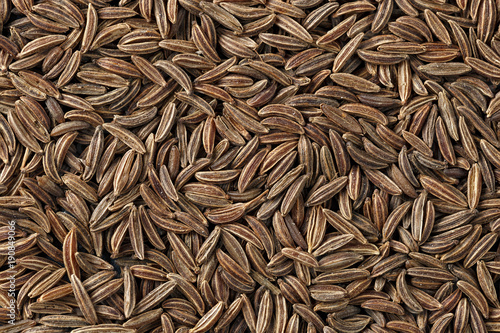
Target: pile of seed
<point>249,166</point>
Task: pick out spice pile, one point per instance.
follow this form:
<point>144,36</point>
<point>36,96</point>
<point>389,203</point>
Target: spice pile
<point>249,166</point>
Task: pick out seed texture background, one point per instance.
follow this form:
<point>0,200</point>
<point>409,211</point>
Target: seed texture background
<point>263,166</point>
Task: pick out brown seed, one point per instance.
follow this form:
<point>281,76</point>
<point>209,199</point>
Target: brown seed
<point>475,295</point>
<point>83,300</point>
<point>444,191</point>
<point>69,251</point>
